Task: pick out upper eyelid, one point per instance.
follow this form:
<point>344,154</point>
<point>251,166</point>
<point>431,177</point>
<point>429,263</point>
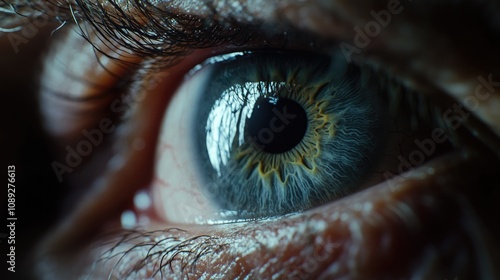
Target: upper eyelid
<point>150,31</point>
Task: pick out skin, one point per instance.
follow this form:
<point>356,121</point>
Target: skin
<point>435,222</point>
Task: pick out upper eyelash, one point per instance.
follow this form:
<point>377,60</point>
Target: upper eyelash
<point>163,34</point>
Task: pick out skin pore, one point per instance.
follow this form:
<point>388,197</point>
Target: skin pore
<point>435,222</point>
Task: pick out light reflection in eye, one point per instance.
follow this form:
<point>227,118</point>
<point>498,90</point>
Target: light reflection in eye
<point>234,99</point>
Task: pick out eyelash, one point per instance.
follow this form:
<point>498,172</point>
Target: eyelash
<point>185,250</point>
<point>165,35</point>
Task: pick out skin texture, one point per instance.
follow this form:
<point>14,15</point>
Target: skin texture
<point>435,222</point>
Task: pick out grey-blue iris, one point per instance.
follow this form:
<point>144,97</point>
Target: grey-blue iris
<point>279,132</point>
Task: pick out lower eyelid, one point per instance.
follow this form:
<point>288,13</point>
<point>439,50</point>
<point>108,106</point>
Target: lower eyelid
<point>337,239</point>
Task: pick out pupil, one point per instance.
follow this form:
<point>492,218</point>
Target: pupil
<point>276,124</point>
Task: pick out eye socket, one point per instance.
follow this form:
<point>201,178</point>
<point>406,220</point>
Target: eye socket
<point>265,133</point>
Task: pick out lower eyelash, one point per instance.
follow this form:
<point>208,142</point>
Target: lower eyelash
<point>136,252</point>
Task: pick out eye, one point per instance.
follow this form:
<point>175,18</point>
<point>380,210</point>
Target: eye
<point>265,133</point>
<point>283,213</point>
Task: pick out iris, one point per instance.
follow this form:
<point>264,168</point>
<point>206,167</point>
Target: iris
<point>278,132</point>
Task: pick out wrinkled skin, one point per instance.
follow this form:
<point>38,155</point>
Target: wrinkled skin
<point>436,222</point>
